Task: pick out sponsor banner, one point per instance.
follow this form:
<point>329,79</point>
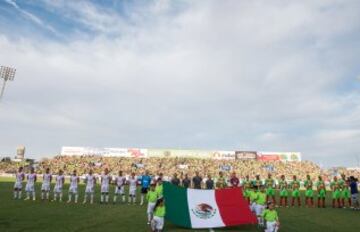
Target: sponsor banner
<point>172,153</point>
<point>245,155</point>
<point>224,155</point>
<point>106,152</point>
<point>282,156</point>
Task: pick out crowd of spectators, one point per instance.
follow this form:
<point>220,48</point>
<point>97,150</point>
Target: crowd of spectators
<point>181,166</point>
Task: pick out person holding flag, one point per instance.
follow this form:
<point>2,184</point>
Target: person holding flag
<point>271,218</point>
<point>234,181</point>
<point>246,184</point>
<point>151,198</point>
<point>260,205</point>
<point>157,223</point>
<point>309,192</point>
<point>221,181</point>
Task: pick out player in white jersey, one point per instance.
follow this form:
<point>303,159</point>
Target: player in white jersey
<point>45,187</point>
<point>105,182</point>
<point>120,182</point>
<point>73,189</point>
<point>90,182</point>
<point>30,185</point>
<point>20,176</point>
<point>59,184</point>
<point>132,188</point>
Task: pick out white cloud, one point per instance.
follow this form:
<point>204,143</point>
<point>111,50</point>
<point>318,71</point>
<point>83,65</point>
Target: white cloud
<point>247,75</point>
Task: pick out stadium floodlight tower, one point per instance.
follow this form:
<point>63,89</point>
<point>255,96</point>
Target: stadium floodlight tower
<point>7,74</point>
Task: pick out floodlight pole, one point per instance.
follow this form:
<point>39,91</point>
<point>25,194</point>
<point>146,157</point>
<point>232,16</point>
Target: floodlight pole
<point>7,74</point>
<point>2,89</point>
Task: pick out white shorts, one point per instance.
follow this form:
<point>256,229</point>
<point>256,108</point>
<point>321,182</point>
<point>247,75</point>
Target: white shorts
<point>271,227</point>
<point>58,189</point>
<point>89,189</point>
<point>157,223</point>
<point>73,189</point>
<point>150,208</point>
<point>354,197</point>
<point>119,190</point>
<point>18,185</point>
<point>132,191</point>
<point>253,207</point>
<point>259,209</point>
<point>45,187</point>
<point>104,188</point>
<point>30,188</point>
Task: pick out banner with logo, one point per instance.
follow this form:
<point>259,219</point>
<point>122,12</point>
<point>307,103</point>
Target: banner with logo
<point>282,156</point>
<point>172,153</point>
<point>106,152</point>
<point>193,208</point>
<point>246,155</point>
<point>224,155</point>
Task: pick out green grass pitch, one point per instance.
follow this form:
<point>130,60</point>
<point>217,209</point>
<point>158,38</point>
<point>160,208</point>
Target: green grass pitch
<point>19,215</point>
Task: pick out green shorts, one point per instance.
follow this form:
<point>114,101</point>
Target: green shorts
<point>336,194</point>
<point>309,193</point>
<point>270,192</point>
<point>295,193</point>
<point>246,193</point>
<point>322,193</point>
<point>283,193</point>
<point>345,194</point>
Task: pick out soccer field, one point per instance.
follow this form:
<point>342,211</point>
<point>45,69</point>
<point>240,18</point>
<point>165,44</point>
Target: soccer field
<point>19,215</point>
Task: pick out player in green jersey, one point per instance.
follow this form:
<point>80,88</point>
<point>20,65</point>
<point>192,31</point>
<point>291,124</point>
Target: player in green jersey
<point>320,185</point>
<point>270,191</point>
<point>345,191</point>
<point>257,182</point>
<point>335,188</point>
<point>271,218</point>
<point>246,187</point>
<point>221,181</point>
<point>309,192</point>
<point>295,195</point>
<point>283,188</point>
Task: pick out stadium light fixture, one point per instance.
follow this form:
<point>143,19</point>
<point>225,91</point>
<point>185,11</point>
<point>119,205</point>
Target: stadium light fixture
<point>7,74</point>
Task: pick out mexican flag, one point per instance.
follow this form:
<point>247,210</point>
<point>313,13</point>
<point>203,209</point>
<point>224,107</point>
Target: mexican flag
<point>194,208</point>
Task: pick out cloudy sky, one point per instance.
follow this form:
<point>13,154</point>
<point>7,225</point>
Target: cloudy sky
<point>248,75</point>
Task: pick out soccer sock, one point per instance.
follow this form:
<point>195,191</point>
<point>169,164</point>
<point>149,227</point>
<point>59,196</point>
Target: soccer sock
<point>55,196</point>
<point>142,199</point>
<point>85,196</point>
<point>149,217</point>
<point>47,195</point>
<point>70,197</point>
<point>102,198</point>
<point>60,196</point>
<point>107,198</point>
<point>123,198</point>
<point>92,198</point>
<point>134,199</point>
<point>19,194</point>
<point>42,195</point>
<point>130,199</point>
<point>28,195</point>
<point>299,202</point>
<point>114,198</point>
<point>15,194</point>
<point>34,196</point>
<point>76,198</point>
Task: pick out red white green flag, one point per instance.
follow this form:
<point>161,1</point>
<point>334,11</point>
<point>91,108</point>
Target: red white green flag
<point>194,208</point>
